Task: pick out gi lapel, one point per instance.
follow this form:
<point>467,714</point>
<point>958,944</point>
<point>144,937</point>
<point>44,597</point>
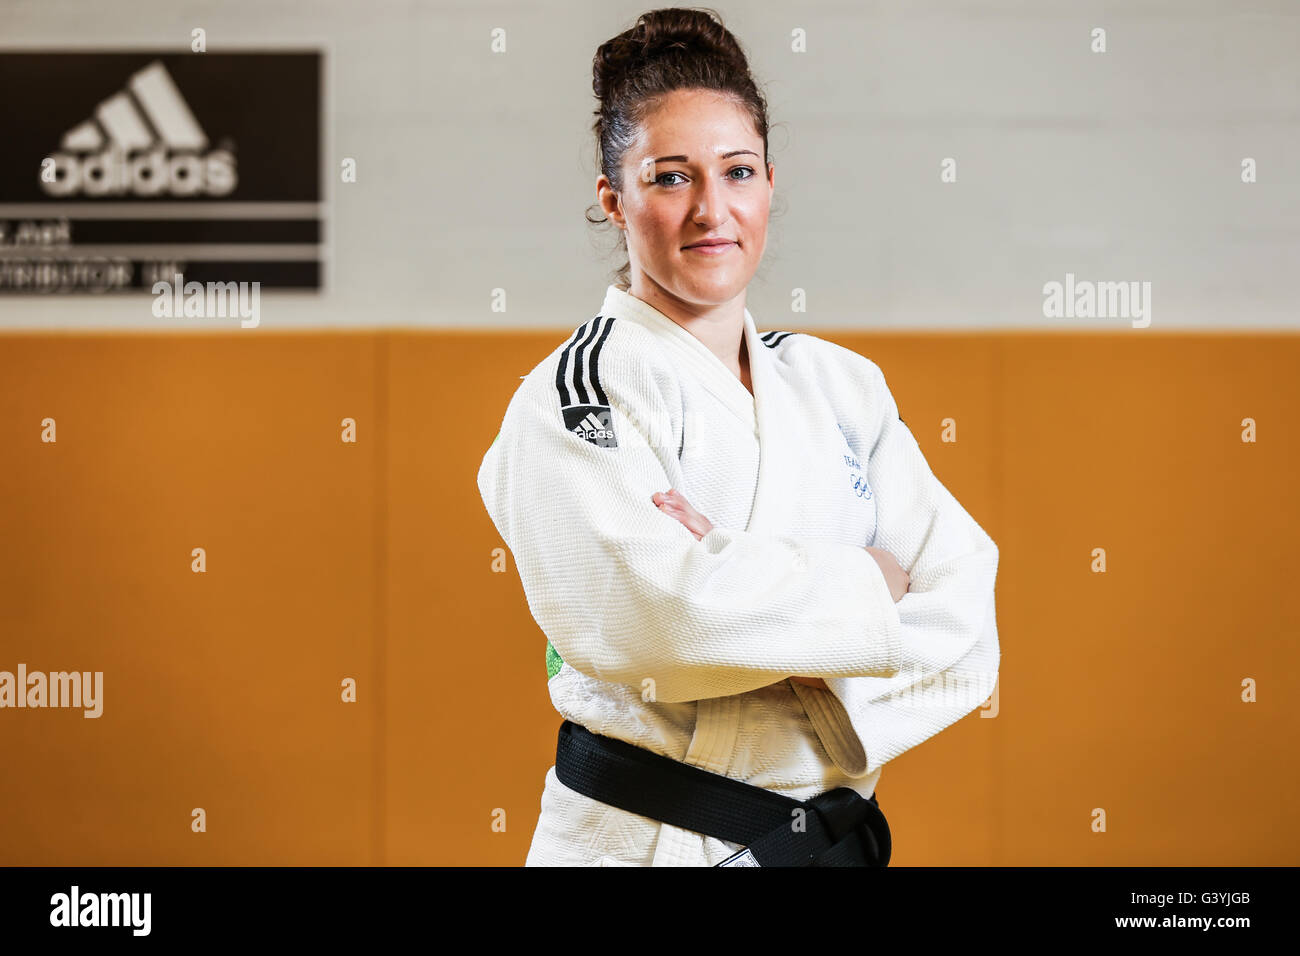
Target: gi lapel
<point>782,456</point>
<point>689,351</point>
<point>779,451</point>
<point>772,411</point>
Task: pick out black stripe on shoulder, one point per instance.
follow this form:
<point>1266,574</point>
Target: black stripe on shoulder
<point>561,367</point>
<point>775,337</point>
<point>593,363</point>
<point>577,367</point>
<point>586,413</point>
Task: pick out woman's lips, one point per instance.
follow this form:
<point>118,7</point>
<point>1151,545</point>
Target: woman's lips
<point>714,249</point>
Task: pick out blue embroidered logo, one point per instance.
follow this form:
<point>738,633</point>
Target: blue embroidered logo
<point>857,478</point>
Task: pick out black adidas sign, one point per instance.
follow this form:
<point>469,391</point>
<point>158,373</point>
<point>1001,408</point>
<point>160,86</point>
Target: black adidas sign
<point>141,141</point>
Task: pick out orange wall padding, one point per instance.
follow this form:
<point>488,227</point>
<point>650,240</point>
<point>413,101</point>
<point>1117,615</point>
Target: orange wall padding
<point>328,560</point>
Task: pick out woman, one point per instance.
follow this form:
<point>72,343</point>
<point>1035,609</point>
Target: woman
<point>745,569</point>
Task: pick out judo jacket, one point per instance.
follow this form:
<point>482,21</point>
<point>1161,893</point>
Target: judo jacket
<point>684,646</point>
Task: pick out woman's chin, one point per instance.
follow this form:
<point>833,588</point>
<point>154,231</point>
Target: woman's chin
<point>703,284</point>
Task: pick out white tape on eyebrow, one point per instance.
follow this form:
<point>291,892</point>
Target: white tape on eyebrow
<point>647,170</point>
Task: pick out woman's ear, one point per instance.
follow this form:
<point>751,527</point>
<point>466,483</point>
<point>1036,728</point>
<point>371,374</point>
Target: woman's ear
<point>611,202</point>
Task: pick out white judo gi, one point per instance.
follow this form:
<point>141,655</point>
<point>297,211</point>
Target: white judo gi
<point>683,646</point>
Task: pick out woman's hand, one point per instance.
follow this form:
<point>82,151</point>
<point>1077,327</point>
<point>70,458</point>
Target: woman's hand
<point>897,579</point>
<point>674,504</point>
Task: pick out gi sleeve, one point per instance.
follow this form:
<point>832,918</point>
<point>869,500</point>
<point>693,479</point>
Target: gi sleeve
<point>624,592</point>
<point>950,641</point>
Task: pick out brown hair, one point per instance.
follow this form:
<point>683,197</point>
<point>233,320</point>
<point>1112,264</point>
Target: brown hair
<point>670,49</point>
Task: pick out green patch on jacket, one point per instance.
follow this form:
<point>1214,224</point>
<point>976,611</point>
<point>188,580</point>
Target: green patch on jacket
<point>553,661</point>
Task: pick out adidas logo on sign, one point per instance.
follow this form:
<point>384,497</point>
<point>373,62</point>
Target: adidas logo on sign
<point>592,423</point>
<point>143,141</point>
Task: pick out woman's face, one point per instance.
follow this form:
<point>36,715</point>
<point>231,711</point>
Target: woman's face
<point>695,172</point>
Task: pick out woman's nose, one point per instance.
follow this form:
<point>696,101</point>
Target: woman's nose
<point>709,209</point>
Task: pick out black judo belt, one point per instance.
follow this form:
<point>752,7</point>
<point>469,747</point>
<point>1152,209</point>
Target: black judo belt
<point>836,828</point>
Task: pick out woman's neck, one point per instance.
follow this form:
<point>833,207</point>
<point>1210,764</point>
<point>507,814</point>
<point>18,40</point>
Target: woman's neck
<point>720,327</point>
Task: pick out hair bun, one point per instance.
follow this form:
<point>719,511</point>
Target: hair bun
<point>671,34</point>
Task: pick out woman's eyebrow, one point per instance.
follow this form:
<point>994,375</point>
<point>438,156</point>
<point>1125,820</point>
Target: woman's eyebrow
<point>686,159</point>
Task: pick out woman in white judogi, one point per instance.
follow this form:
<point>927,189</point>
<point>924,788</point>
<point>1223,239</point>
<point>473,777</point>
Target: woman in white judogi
<point>733,544</point>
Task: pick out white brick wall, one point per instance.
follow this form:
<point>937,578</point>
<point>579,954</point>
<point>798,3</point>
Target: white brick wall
<point>475,169</point>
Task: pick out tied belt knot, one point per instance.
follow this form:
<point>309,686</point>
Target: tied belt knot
<point>839,827</point>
